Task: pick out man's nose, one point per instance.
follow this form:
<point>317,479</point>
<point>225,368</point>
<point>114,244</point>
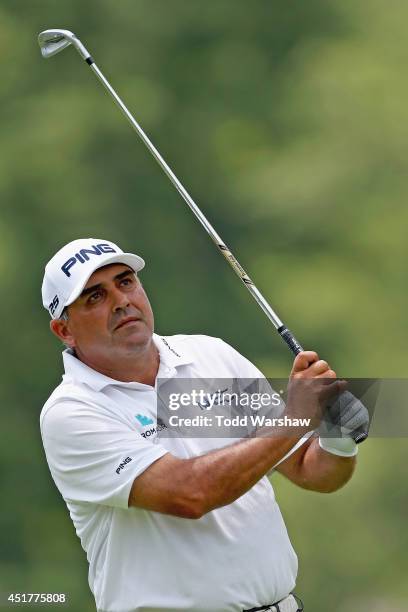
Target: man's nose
<point>119,300</point>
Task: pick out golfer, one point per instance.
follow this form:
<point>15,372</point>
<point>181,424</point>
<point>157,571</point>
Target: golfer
<point>167,523</point>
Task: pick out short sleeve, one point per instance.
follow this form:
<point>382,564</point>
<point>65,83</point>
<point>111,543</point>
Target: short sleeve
<point>93,456</point>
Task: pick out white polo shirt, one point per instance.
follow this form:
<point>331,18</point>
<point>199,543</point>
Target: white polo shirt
<point>235,557</point>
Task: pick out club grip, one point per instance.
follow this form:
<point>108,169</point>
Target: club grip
<point>290,340</point>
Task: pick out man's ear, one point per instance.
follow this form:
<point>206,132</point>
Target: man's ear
<point>60,328</point>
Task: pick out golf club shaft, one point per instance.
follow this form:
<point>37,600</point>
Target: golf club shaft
<point>236,266</point>
<point>284,332</point>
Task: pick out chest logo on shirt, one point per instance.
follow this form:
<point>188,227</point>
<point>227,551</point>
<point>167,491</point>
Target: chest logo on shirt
<point>144,420</point>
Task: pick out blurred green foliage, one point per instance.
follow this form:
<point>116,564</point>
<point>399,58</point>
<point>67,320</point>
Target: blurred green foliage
<point>289,125</point>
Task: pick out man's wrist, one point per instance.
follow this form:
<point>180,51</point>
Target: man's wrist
<point>342,447</point>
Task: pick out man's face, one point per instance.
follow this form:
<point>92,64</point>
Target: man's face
<point>111,318</point>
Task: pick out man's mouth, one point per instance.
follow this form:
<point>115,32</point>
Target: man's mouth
<point>127,321</point>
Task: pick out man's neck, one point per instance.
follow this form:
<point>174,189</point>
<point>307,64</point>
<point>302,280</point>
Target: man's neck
<point>133,367</point>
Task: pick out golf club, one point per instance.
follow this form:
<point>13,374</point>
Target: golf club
<point>55,40</point>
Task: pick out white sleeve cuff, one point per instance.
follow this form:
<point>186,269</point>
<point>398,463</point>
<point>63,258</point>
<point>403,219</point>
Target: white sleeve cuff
<point>343,447</point>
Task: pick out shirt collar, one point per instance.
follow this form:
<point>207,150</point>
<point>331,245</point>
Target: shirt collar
<point>77,371</point>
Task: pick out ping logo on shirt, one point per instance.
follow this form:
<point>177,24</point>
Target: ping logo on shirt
<point>123,464</point>
<point>144,420</point>
<point>83,256</point>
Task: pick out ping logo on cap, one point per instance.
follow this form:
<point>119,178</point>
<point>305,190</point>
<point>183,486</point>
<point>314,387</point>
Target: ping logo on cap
<point>83,256</point>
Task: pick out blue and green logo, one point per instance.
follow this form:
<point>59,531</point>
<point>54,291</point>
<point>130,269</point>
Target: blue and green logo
<point>144,420</point>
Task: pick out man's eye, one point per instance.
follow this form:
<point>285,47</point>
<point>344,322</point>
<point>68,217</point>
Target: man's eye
<point>127,281</point>
<point>94,296</point>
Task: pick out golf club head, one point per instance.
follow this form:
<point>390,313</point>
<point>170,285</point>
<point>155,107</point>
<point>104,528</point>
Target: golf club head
<point>53,41</point>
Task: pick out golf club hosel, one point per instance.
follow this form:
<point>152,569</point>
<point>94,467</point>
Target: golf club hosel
<point>83,52</point>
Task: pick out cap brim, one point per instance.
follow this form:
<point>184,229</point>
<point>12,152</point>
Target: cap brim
<point>129,259</point>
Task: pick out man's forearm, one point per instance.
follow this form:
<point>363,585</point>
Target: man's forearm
<point>322,471</point>
<point>190,488</point>
<point>228,473</point>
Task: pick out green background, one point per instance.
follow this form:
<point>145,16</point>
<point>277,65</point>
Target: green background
<point>288,122</point>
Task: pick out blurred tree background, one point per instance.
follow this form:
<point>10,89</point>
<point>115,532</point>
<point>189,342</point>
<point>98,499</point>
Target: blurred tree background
<point>288,122</point>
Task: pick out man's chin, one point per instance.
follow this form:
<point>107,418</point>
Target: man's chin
<point>135,340</point>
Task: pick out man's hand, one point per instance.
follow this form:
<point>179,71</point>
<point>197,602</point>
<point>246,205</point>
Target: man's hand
<point>308,365</point>
<point>345,414</point>
<point>315,465</point>
<point>312,384</point>
<point>348,414</point>
<point>344,417</point>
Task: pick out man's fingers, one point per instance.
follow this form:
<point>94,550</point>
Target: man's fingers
<point>336,387</point>
<point>349,412</point>
<point>320,367</point>
<point>308,362</point>
<point>325,373</point>
<point>304,360</point>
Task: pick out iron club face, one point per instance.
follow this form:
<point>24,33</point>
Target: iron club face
<point>53,41</point>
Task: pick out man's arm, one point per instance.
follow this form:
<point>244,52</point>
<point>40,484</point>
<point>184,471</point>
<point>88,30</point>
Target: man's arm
<point>190,488</point>
<point>313,468</point>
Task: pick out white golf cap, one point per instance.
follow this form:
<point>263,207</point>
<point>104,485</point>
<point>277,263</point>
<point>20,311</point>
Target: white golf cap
<point>67,273</point>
